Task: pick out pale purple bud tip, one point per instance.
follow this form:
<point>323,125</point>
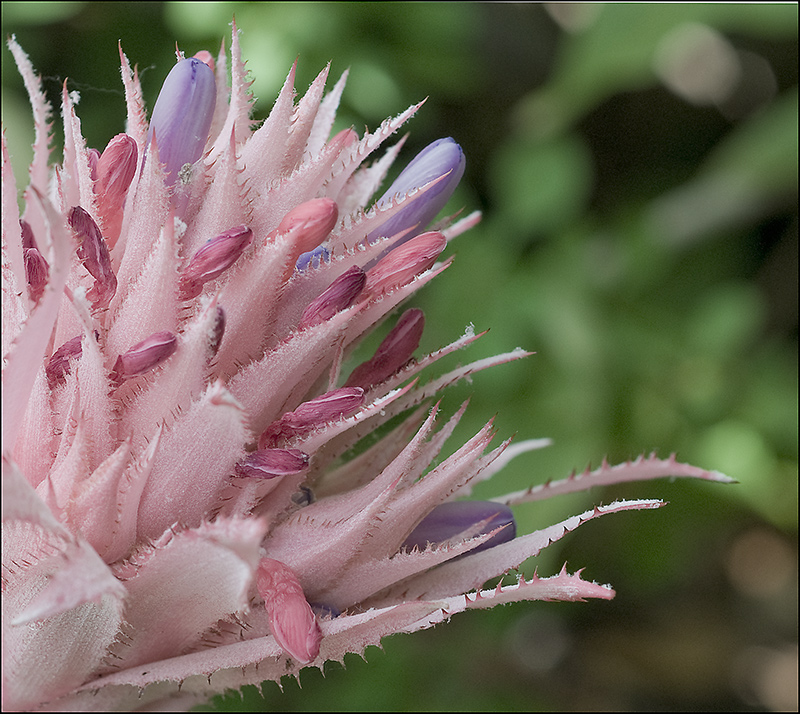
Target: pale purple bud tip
<point>312,414</point>
<point>145,355</point>
<point>340,294</point>
<point>272,463</point>
<point>114,173</point>
<point>210,261</point>
<point>182,115</point>
<point>395,351</point>
<point>404,263</point>
<point>291,619</point>
<point>93,251</point>
<point>449,519</point>
<point>313,258</point>
<point>309,224</point>
<point>59,365</point>
<point>441,158</point>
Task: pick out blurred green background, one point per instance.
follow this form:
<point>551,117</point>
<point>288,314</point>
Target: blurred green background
<point>637,169</point>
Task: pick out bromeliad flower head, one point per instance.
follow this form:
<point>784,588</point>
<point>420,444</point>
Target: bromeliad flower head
<point>182,509</point>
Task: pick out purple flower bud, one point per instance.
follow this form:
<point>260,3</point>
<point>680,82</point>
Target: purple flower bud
<point>313,258</point>
<point>311,414</point>
<point>59,365</point>
<point>182,115</point>
<point>395,351</point>
<point>450,519</point>
<point>92,250</point>
<point>441,158</point>
<point>272,463</point>
<point>144,355</point>
<point>340,294</point>
<point>214,258</point>
<point>404,263</point>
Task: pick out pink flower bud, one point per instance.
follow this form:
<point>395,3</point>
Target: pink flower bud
<point>291,619</point>
<point>59,365</point>
<point>206,58</point>
<point>36,273</point>
<point>93,156</point>
<point>92,250</point>
<point>395,351</point>
<point>405,262</point>
<point>271,463</point>
<point>309,224</point>
<point>28,241</point>
<point>312,414</point>
<point>340,294</point>
<point>450,519</point>
<point>145,355</point>
<point>115,171</point>
<point>182,115</point>
<point>214,258</point>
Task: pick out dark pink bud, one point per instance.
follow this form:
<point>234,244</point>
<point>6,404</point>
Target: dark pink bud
<point>59,365</point>
<point>36,272</point>
<point>291,619</point>
<point>393,352</point>
<point>182,115</point>
<point>272,463</point>
<point>309,224</point>
<point>28,241</point>
<point>329,406</point>
<point>405,262</point>
<point>92,250</point>
<point>145,355</point>
<point>312,414</point>
<point>115,171</point>
<point>340,294</point>
<point>213,259</point>
<point>218,331</point>
<point>449,519</point>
